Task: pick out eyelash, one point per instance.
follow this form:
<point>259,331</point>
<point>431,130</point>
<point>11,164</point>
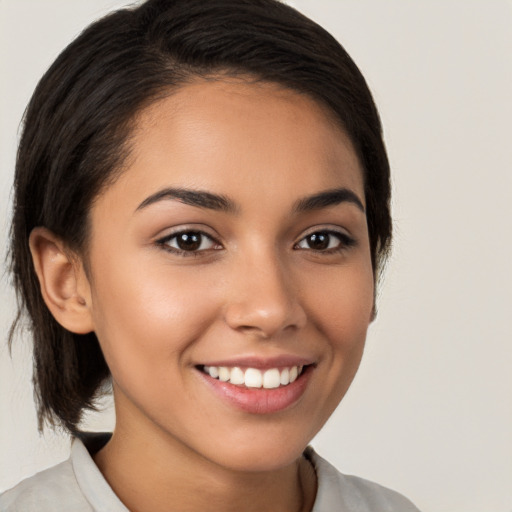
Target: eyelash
<point>164,242</point>
<point>345,242</point>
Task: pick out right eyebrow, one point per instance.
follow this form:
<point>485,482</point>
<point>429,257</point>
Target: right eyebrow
<point>197,198</point>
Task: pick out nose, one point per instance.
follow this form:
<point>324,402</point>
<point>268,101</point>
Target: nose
<point>263,299</point>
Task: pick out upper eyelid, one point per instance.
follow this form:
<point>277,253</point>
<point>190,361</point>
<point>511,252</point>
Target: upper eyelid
<point>186,229</point>
<point>337,230</point>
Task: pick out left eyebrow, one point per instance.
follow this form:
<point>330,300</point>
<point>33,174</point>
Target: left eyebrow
<point>328,198</point>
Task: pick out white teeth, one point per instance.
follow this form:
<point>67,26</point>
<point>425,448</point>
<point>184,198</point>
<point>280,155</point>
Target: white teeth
<point>253,377</point>
<point>271,379</point>
<point>237,376</point>
<point>224,374</point>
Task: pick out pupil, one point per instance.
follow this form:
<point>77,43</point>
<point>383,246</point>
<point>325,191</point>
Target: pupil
<point>189,241</point>
<point>318,241</point>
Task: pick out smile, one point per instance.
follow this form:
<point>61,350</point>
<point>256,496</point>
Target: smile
<point>271,378</point>
<point>257,387</point>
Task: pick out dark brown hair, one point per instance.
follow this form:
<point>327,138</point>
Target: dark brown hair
<point>78,122</point>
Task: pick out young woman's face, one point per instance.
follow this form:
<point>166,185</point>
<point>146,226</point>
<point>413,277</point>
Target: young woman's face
<point>235,243</point>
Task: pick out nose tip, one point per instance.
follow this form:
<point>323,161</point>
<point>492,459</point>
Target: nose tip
<point>264,305</point>
<point>265,322</point>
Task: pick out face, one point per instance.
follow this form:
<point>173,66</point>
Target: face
<point>231,255</point>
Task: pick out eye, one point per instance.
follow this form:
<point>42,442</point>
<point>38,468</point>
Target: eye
<point>189,242</point>
<point>326,241</point>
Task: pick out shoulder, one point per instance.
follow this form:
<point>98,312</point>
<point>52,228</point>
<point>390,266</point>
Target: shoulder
<point>74,485</point>
<point>55,489</point>
<point>337,491</point>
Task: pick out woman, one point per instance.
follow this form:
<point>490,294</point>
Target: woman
<point>201,213</point>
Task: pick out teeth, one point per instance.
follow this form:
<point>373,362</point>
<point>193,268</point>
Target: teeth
<point>271,379</point>
<point>253,377</point>
<point>224,374</point>
<point>237,376</point>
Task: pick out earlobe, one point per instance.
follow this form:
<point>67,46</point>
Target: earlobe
<point>64,286</point>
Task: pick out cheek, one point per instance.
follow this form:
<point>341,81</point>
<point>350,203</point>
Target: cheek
<point>340,309</point>
<point>150,317</point>
<point>341,303</point>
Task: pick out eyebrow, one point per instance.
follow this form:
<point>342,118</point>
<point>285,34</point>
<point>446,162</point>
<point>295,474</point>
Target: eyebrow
<point>197,198</point>
<point>218,202</point>
<point>328,198</point>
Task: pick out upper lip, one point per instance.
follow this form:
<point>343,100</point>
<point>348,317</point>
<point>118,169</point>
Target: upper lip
<point>262,363</point>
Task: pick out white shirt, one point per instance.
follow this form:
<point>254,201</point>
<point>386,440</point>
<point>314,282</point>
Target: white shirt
<point>77,485</point>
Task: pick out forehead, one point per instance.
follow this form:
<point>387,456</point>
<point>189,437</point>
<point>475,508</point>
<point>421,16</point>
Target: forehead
<point>239,138</point>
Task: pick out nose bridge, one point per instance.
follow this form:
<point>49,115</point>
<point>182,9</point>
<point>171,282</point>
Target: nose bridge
<point>263,298</point>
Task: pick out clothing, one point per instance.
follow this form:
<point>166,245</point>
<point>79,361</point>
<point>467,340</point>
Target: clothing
<point>77,485</point>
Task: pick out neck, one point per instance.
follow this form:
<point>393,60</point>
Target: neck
<point>157,472</point>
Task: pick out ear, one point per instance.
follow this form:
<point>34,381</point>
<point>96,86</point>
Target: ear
<point>64,285</point>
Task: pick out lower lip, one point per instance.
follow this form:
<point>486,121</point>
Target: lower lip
<point>260,400</point>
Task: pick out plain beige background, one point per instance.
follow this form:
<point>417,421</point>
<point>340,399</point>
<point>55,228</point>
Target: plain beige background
<point>430,412</point>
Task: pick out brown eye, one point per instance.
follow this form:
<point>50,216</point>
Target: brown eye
<point>188,241</point>
<point>318,241</point>
<point>325,241</point>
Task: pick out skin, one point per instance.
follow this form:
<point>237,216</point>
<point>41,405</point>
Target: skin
<point>258,289</point>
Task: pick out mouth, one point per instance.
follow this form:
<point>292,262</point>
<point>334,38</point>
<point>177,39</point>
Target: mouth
<point>258,390</point>
<point>271,378</point>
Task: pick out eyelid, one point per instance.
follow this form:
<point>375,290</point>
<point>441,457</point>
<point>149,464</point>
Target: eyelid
<point>169,232</point>
<point>346,240</point>
<point>325,228</point>
<point>163,240</point>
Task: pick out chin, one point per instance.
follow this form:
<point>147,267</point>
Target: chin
<point>258,451</point>
<point>259,460</point>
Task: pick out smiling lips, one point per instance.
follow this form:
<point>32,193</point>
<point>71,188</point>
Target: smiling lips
<point>253,377</point>
<point>269,389</point>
